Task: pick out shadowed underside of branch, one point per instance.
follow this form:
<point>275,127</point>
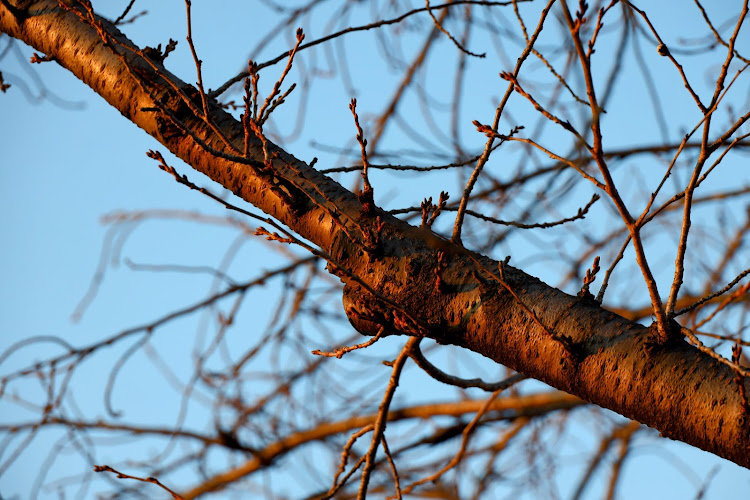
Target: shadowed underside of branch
<point>390,268</point>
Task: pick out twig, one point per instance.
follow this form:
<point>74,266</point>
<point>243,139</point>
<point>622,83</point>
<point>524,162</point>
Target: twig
<point>513,80</point>
<point>366,196</point>
<point>599,24</point>
<point>439,26</point>
<point>345,455</point>
<point>340,351</point>
<point>439,375</point>
<point>269,104</point>
<point>624,435</point>
<point>665,52</point>
<point>120,475</point>
<point>456,237</point>
<point>355,29</point>
<point>380,423</point>
<point>388,456</point>
<point>707,350</point>
<point>196,60</point>
<point>730,54</point>
<point>716,33</point>
<point>597,153</point>
<point>544,60</point>
<point>611,268</point>
<point>466,435</point>
<point>580,214</point>
<point>124,13</point>
<point>716,294</point>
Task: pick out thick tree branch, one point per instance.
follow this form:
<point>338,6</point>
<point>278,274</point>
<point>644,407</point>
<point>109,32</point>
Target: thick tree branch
<point>604,358</point>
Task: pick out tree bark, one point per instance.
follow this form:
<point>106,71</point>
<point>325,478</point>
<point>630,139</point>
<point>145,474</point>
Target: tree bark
<point>390,268</point>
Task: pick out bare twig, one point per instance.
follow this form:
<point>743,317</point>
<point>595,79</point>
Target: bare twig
<point>366,196</point>
<point>439,26</point>
<point>718,293</point>
<point>380,423</point>
<point>436,373</point>
<point>456,237</point>
<point>466,436</point>
<point>354,29</point>
<point>340,351</point>
<point>120,475</point>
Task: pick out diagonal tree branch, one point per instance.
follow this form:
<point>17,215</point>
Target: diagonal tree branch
<point>592,353</point>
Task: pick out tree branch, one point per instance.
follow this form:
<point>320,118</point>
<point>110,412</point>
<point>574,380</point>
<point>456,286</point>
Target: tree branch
<point>674,387</point>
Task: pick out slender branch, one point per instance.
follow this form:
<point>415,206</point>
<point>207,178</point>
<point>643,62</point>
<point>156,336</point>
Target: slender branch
<point>456,237</point>
<point>718,293</point>
<point>380,423</point>
<point>597,153</point>
<point>439,375</point>
<point>664,51</point>
<point>223,88</point>
<point>439,26</point>
<point>120,475</point>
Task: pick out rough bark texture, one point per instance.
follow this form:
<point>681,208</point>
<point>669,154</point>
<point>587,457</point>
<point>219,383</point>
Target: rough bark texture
<point>581,348</point>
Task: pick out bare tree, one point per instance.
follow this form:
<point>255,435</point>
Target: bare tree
<point>558,176</point>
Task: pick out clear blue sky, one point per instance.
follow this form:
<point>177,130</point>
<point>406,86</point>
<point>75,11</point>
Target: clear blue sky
<point>68,159</point>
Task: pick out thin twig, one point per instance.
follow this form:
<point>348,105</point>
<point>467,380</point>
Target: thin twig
<point>664,51</point>
<point>355,29</point>
<point>707,298</point>
<point>718,357</point>
<point>120,475</point>
<point>366,196</point>
<point>466,435</point>
<point>716,33</point>
<point>394,471</point>
<point>346,450</point>
<point>196,60</point>
<point>380,423</point>
<point>439,26</point>
<point>124,13</point>
<point>456,237</point>
<point>340,351</point>
<point>439,375</point>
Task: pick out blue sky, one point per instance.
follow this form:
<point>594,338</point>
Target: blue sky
<point>70,159</point>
